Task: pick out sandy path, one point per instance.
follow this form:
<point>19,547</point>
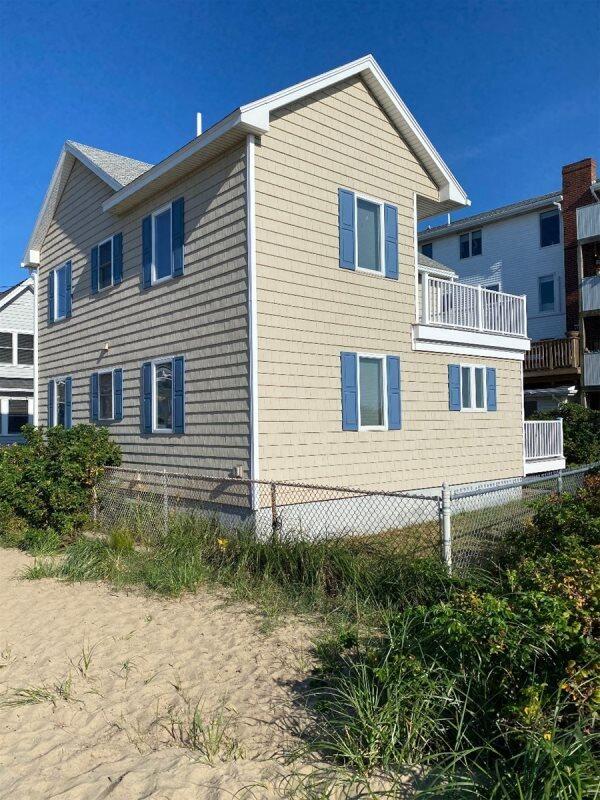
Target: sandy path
<point>148,658</point>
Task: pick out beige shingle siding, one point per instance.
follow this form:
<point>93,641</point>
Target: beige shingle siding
<point>202,315</point>
<point>309,310</point>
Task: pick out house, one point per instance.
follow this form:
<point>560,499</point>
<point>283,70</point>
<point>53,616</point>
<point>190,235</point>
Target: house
<point>249,306</point>
<point>546,248</point>
<point>16,359</point>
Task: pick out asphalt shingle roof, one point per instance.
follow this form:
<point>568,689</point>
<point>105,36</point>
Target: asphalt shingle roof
<point>425,261</point>
<point>120,168</point>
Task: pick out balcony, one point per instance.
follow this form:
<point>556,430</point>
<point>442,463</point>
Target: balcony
<point>590,292</point>
<point>591,369</point>
<point>588,223</point>
<point>556,356</point>
<point>543,445</point>
<point>467,316</point>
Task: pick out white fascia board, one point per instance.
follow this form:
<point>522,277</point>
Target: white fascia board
<point>462,342</point>
<point>16,291</point>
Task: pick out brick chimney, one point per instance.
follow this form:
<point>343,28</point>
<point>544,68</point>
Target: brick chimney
<point>576,181</point>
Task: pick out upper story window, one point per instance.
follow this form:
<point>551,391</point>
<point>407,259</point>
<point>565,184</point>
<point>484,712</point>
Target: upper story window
<point>162,243</point>
<point>60,292</point>
<point>549,228</point>
<point>471,244</point>
<point>25,348</point>
<point>547,293</point>
<point>427,249</point>
<point>472,385</point>
<point>162,257</point>
<point>368,234</point>
<point>16,348</point>
<point>6,348</point>
<point>105,264</point>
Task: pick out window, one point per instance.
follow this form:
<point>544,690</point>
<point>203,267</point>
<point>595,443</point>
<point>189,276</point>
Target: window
<point>368,235</point>
<point>163,395</point>
<point>471,244</point>
<point>60,402</point>
<point>546,294</point>
<point>472,388</point>
<point>60,292</point>
<point>491,287</point>
<point>25,348</point>
<point>427,249</point>
<point>162,261</point>
<point>18,415</point>
<point>105,395</point>
<point>6,348</point>
<point>372,411</point>
<point>549,228</point>
<point>105,262</point>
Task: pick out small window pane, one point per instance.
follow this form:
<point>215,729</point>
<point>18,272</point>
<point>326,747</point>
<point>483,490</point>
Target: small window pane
<point>465,386</point>
<point>371,391</point>
<point>479,388</point>
<point>368,226</point>
<point>547,294</point>
<point>476,248</point>
<point>25,348</point>
<point>17,415</point>
<point>105,264</point>
<point>549,228</point>
<point>60,403</point>
<point>163,375</point>
<point>427,249</point>
<point>60,291</point>
<point>105,392</point>
<point>6,355</point>
<point>493,287</point>
<point>464,246</point>
<point>162,245</point>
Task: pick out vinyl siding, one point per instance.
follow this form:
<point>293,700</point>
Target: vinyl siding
<point>201,315</point>
<point>512,255</point>
<point>17,316</point>
<point>309,310</point>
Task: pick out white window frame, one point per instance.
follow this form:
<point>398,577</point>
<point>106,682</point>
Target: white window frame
<point>381,205</point>
<point>381,358</point>
<point>470,235</point>
<point>13,350</point>
<point>4,406</point>
<point>154,362</point>
<point>489,284</point>
<point>472,368</point>
<point>14,334</point>
<point>110,372</point>
<point>153,279</point>
<point>55,272</point>
<point>555,307</point>
<point>63,379</point>
<point>112,263</point>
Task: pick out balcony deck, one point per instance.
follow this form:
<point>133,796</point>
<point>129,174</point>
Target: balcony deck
<point>559,357</point>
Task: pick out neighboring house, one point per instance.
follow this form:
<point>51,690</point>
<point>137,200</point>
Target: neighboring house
<point>248,306</point>
<point>530,248</point>
<point>16,359</point>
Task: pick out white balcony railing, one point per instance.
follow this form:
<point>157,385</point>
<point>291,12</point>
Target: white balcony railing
<point>543,440</point>
<point>460,305</point>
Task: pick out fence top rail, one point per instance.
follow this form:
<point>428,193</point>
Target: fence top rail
<point>284,484</point>
<point>525,481</point>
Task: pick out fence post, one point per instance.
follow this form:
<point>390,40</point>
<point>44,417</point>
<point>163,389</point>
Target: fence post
<point>165,504</point>
<point>274,520</point>
<point>447,527</point>
<point>559,481</point>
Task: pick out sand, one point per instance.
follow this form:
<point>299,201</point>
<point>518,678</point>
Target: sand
<point>116,672</point>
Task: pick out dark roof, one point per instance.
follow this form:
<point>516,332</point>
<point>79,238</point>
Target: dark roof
<point>511,210</point>
<point>425,261</point>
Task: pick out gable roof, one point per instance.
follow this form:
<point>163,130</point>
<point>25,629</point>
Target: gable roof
<point>503,212</point>
<point>255,118</point>
<point>434,266</point>
<point>8,295</point>
<point>115,170</point>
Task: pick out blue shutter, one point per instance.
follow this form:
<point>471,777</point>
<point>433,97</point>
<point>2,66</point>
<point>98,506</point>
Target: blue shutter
<point>146,252</point>
<point>177,232</point>
<point>68,289</point>
<point>454,386</point>
<point>346,225</point>
<point>68,403</point>
<point>391,241</point>
<point>50,419</point>
<point>118,391</point>
<point>492,404</point>
<point>117,254</point>
<point>147,397</point>
<point>94,401</point>
<point>178,395</point>
<point>94,269</point>
<point>349,392</point>
<point>393,393</point>
<point>51,296</point>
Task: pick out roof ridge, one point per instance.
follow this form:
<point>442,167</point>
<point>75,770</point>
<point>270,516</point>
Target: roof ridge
<point>84,147</point>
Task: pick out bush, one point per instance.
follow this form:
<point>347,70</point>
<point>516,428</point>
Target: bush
<point>48,482</point>
<point>581,432</point>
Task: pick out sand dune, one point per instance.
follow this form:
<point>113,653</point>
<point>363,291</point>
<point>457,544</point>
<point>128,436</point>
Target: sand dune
<point>117,677</point>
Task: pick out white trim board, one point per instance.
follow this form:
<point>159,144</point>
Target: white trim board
<point>252,315</point>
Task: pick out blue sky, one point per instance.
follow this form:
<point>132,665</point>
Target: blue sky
<point>508,92</point>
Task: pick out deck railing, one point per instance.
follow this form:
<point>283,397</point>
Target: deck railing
<point>543,439</point>
<point>460,305</point>
<point>550,354</point>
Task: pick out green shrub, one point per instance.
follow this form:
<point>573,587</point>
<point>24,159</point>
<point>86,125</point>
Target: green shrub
<point>49,481</point>
<point>581,432</point>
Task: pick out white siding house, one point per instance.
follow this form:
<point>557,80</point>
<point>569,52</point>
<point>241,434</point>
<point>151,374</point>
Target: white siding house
<point>17,355</point>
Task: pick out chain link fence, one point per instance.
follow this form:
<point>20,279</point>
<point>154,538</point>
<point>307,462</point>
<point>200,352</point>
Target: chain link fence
<point>462,526</point>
